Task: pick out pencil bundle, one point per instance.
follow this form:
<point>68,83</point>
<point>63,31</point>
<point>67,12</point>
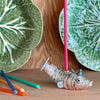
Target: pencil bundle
<point>14,88</point>
<point>10,91</point>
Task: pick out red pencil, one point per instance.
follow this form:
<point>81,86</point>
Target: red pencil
<point>65,35</point>
<point>10,91</point>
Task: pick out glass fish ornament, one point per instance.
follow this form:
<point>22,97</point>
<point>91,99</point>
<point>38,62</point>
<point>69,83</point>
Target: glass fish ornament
<point>68,80</point>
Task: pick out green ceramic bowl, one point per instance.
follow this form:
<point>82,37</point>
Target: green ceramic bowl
<point>21,28</point>
<point>83,21</point>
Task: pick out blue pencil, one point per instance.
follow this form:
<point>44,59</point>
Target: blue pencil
<point>9,83</point>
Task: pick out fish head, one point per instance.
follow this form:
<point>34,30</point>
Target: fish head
<point>50,69</point>
<point>82,82</point>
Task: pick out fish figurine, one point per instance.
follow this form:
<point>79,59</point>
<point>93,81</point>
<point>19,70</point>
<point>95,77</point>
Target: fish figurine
<point>68,80</point>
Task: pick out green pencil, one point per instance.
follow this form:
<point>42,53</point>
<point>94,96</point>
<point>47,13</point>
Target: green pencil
<point>23,81</point>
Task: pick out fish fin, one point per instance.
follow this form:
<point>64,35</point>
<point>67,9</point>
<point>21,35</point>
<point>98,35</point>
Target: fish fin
<point>45,64</point>
<point>60,69</point>
<point>72,71</point>
<point>60,84</point>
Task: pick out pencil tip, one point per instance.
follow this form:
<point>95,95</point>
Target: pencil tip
<point>38,86</point>
<point>22,90</point>
<point>15,91</point>
<point>25,94</point>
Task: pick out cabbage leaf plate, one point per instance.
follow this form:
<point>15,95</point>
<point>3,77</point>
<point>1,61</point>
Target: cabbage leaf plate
<point>83,28</point>
<point>21,29</point>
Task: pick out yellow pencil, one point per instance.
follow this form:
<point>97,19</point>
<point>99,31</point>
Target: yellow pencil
<point>17,87</point>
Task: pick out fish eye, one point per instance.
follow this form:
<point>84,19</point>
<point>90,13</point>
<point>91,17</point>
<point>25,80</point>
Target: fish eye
<point>78,80</point>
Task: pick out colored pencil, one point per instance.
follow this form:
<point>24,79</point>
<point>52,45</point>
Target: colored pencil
<point>65,35</point>
<point>10,91</point>
<point>9,83</point>
<point>16,87</point>
<point>23,81</point>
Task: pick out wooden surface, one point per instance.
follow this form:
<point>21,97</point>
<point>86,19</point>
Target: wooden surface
<point>49,90</point>
<point>50,45</point>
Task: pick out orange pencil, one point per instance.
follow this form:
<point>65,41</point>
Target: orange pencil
<point>10,91</point>
<point>16,87</point>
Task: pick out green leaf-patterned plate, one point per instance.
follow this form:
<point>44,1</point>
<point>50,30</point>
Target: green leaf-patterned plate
<point>21,29</point>
<point>83,21</point>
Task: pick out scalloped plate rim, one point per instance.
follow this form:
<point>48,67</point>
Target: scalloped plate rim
<point>42,27</point>
<point>22,64</point>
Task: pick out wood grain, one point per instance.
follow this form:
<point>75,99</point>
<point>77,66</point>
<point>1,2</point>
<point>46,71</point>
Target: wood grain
<point>50,45</point>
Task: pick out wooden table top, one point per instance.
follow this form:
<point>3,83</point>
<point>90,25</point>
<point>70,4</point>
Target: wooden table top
<point>49,90</point>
